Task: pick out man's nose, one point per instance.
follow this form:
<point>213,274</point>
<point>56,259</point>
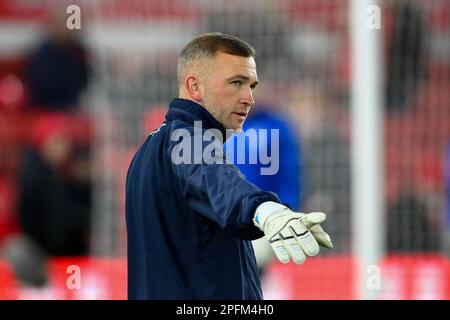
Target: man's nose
<point>247,98</point>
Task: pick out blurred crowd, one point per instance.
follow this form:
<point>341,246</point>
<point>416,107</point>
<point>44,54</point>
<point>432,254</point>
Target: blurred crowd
<point>46,133</point>
<point>46,199</point>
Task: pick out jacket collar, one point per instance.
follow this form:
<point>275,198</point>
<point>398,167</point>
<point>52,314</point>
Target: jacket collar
<point>190,111</point>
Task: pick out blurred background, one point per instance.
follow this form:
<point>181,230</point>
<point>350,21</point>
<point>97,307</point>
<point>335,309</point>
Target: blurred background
<point>75,104</point>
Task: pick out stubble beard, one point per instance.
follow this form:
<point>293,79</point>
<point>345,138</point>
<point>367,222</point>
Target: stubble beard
<point>214,108</point>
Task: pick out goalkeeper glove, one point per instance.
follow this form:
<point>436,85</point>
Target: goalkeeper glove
<point>293,235</point>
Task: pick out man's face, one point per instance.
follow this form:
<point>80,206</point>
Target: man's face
<point>228,89</point>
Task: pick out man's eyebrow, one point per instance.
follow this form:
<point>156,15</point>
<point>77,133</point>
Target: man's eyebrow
<point>239,76</point>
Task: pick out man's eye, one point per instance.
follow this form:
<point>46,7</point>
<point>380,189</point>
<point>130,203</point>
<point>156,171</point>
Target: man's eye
<point>237,83</point>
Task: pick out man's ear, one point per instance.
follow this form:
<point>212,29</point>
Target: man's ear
<point>193,88</point>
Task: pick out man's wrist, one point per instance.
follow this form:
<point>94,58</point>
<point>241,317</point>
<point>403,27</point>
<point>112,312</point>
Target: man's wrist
<point>266,209</point>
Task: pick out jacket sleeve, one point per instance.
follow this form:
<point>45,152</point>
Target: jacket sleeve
<point>216,189</point>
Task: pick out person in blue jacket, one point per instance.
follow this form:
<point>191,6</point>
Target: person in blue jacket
<point>287,182</point>
<point>190,213</point>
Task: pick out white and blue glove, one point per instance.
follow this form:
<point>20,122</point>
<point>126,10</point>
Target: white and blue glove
<point>292,235</point>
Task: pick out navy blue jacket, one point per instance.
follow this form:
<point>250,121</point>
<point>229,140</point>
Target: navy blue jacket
<point>189,226</point>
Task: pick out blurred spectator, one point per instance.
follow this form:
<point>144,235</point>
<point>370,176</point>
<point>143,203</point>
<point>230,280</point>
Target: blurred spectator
<point>405,53</point>
<point>53,199</point>
<point>408,226</point>
<point>326,161</point>
<point>54,189</point>
<point>57,71</point>
<point>287,182</point>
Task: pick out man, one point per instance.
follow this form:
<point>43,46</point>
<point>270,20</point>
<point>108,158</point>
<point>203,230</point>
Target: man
<point>190,223</point>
